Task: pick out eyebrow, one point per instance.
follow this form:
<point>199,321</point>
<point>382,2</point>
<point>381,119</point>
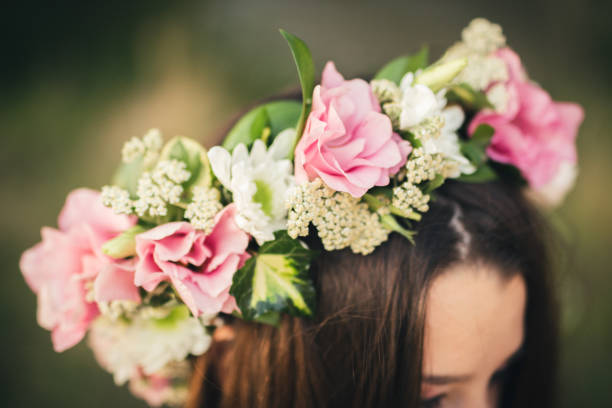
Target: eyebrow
<point>449,379</point>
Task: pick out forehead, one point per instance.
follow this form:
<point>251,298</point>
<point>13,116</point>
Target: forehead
<point>474,320</point>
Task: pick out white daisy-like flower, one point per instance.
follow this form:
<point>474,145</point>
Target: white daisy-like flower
<point>447,143</point>
<point>148,343</point>
<point>418,102</point>
<point>259,182</point>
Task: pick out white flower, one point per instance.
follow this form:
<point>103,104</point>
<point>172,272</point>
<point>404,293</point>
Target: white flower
<point>552,194</point>
<point>418,102</point>
<point>447,143</point>
<point>259,182</point>
<point>147,343</point>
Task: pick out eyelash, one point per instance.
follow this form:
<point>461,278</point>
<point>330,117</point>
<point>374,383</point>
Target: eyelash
<point>432,402</point>
<point>435,402</point>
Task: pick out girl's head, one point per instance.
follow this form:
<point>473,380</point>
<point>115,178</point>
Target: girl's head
<point>464,317</point>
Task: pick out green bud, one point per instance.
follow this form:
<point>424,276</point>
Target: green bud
<point>438,75</point>
<point>124,244</point>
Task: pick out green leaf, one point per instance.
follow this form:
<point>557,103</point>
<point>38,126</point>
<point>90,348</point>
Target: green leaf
<point>475,148</point>
<point>193,155</point>
<point>127,174</point>
<point>277,115</point>
<point>276,280</point>
<point>468,97</point>
<point>124,244</point>
<point>390,222</point>
<point>306,73</point>
<point>433,184</point>
<point>482,174</point>
<point>396,69</point>
<point>174,317</point>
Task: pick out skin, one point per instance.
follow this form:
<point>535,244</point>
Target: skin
<point>474,327</point>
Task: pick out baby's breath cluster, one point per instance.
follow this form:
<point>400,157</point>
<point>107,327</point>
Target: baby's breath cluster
<point>407,197</point>
<point>420,167</point>
<point>389,96</point>
<point>428,128</point>
<point>203,208</point>
<point>155,190</point>
<point>340,219</point>
<point>117,199</point>
<point>483,36</point>
<point>148,147</point>
<point>385,90</point>
<point>480,39</point>
<point>161,187</point>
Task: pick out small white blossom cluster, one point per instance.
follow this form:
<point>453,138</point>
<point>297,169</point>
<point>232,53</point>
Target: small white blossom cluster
<point>155,190</point>
<point>117,199</point>
<point>407,197</point>
<point>147,344</point>
<point>420,167</point>
<point>340,219</point>
<point>480,39</point>
<point>203,208</point>
<point>116,309</point>
<point>149,147</point>
<point>483,36</point>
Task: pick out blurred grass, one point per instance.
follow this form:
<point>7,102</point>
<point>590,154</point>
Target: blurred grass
<point>81,77</point>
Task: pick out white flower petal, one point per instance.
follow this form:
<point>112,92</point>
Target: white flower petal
<point>282,144</point>
<point>453,118</point>
<point>258,152</point>
<point>240,154</point>
<point>406,82</point>
<point>220,161</point>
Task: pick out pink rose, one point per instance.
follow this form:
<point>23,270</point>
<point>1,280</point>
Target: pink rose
<point>347,142</point>
<point>200,266</point>
<point>155,389</point>
<point>68,263</point>
<point>533,133</point>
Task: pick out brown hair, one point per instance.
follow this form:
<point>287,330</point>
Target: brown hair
<point>364,346</point>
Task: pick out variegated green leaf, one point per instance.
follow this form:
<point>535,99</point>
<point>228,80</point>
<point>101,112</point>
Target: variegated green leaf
<point>276,280</point>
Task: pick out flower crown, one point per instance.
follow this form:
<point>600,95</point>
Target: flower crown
<point>183,234</point>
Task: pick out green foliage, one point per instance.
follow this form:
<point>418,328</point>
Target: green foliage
<point>475,150</point>
<point>124,244</point>
<point>390,222</point>
<point>482,174</point>
<point>276,116</point>
<point>396,69</point>
<point>275,280</point>
<point>431,185</point>
<point>193,155</point>
<point>468,97</point>
<point>306,73</point>
<point>127,174</point>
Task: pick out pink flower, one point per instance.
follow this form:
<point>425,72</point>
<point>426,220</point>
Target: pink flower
<point>200,267</point>
<point>347,142</point>
<point>68,263</point>
<point>533,133</point>
<point>157,389</point>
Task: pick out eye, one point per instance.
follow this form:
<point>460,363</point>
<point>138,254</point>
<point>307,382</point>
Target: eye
<point>433,402</point>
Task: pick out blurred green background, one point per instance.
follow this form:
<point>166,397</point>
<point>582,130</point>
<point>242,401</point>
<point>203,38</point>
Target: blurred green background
<point>78,78</point>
